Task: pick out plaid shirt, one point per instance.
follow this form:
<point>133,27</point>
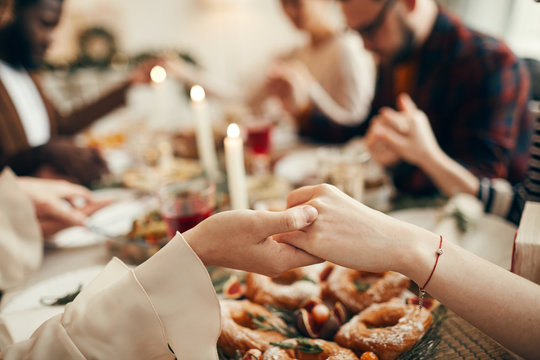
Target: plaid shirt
<point>474,90</point>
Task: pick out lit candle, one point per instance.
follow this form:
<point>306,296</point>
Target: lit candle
<point>158,75</point>
<point>205,136</point>
<point>236,172</point>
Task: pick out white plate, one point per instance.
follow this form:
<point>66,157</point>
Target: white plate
<point>113,220</point>
<point>24,314</point>
<point>297,166</point>
<point>56,287</point>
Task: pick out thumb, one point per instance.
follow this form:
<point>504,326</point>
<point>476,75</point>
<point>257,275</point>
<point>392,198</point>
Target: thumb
<point>292,219</point>
<point>405,103</point>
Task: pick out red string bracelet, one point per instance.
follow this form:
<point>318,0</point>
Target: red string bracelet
<point>439,252</point>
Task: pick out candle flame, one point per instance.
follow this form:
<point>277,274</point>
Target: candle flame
<point>197,93</point>
<point>233,131</point>
<point>158,74</point>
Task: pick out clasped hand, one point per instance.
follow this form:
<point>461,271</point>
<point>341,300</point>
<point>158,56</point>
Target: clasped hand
<point>246,240</point>
<point>404,134</point>
<point>321,222</point>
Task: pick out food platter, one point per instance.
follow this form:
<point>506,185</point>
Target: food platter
<point>449,336</point>
<point>150,177</point>
<point>425,348</point>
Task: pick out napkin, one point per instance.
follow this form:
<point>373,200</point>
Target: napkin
<point>526,257</point>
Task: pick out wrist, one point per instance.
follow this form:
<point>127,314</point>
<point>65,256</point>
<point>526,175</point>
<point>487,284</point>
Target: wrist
<point>416,252</point>
<point>195,243</point>
<point>432,160</point>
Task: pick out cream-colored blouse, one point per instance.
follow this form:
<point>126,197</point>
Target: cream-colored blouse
<point>135,314</point>
<point>21,244</point>
<point>342,75</point>
<point>122,314</point>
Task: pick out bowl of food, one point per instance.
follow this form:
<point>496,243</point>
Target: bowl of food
<point>147,235</point>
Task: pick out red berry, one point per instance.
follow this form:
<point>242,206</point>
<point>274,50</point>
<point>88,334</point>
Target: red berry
<point>369,356</point>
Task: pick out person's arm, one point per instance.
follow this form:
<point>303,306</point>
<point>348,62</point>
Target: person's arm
<point>407,135</point>
<point>344,96</point>
<point>167,304</point>
<point>121,314</point>
<point>490,127</point>
<point>116,97</point>
<point>501,304</point>
<point>62,158</point>
<point>190,75</point>
<point>84,116</point>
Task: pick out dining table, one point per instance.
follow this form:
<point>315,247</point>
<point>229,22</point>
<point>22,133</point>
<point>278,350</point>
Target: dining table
<point>456,338</point>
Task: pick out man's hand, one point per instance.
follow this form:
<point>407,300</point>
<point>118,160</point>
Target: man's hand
<point>405,134</point>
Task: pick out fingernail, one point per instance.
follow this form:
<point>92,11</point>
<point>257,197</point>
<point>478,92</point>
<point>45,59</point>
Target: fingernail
<point>310,213</point>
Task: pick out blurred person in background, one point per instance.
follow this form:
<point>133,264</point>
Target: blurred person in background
<point>33,209</point>
<point>332,76</point>
<point>471,87</point>
<point>34,138</point>
<point>411,139</point>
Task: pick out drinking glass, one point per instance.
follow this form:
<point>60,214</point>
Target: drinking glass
<point>186,203</point>
<point>344,168</point>
<point>259,144</point>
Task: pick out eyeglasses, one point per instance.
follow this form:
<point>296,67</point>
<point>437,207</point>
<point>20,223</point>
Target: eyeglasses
<point>371,29</point>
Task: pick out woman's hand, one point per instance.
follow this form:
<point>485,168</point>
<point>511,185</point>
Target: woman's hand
<point>346,232</point>
<point>289,82</point>
<point>243,239</point>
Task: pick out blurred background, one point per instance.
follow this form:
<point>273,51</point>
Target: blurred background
<point>232,40</point>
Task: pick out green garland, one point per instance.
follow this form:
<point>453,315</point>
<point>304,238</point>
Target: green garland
<point>109,56</point>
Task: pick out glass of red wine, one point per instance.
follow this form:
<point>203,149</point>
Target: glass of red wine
<point>259,144</point>
<point>186,203</point>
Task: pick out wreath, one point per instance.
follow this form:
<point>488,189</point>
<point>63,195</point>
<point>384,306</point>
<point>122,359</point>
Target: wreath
<point>97,47</point>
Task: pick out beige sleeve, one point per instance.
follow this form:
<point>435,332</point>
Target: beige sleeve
<point>135,314</point>
<point>21,244</point>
